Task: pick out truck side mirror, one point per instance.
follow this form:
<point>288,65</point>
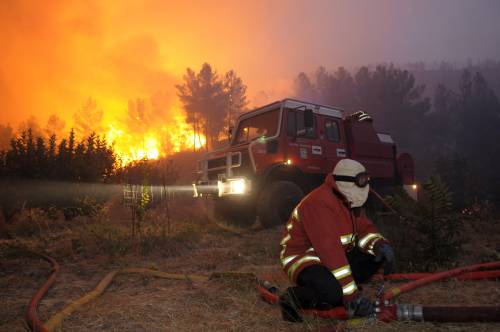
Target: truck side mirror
<point>308,118</point>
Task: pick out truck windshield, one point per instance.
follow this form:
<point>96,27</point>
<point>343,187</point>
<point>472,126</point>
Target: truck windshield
<point>265,124</point>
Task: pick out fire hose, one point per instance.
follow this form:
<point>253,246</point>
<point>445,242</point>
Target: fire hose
<point>55,321</point>
<point>31,314</point>
<point>385,311</point>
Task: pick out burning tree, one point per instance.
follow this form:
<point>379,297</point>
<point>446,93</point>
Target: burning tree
<point>208,98</point>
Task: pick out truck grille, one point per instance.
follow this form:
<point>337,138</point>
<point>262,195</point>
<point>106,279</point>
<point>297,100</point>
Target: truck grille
<point>214,175</point>
<point>217,166</point>
<point>246,166</point>
<point>218,162</point>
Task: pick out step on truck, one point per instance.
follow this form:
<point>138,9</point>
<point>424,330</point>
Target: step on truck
<point>279,152</point>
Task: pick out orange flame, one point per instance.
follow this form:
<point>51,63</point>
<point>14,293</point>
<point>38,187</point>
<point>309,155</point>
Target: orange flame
<point>175,135</point>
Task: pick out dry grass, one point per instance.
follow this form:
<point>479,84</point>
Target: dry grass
<point>196,245</point>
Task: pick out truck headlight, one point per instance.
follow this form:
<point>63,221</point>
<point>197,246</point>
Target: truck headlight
<point>237,186</point>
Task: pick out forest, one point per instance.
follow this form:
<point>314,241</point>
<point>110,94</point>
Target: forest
<point>446,116</point>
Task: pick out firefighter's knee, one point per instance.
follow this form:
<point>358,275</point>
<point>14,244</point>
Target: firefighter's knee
<point>332,295</point>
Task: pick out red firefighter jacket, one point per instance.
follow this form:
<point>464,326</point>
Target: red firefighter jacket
<point>321,229</point>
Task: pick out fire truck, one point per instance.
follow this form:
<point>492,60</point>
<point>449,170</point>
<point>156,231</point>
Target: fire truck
<point>279,152</point>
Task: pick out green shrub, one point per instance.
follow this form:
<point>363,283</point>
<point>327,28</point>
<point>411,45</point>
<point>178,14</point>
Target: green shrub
<point>428,231</point>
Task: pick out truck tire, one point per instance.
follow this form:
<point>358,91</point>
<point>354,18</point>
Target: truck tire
<point>277,201</point>
<point>234,212</point>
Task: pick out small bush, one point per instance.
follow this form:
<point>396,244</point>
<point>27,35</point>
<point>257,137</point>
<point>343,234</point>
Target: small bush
<point>31,222</point>
<point>428,231</point>
<point>103,239</point>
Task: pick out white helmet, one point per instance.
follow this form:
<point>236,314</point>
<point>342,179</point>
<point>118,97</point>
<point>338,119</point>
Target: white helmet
<point>352,180</point>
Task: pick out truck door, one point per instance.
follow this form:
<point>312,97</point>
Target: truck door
<point>332,141</point>
<point>304,148</point>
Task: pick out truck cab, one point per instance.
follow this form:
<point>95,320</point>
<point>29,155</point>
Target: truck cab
<point>280,152</point>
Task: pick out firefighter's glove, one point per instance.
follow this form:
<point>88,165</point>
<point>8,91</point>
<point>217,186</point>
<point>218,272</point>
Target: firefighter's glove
<point>386,254</point>
<point>360,306</point>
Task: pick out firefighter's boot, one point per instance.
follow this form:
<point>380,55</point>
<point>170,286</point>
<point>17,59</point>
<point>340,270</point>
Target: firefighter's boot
<point>289,308</point>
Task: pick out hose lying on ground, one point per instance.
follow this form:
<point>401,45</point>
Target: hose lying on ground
<point>386,313</point>
<point>56,320</point>
<point>468,276</point>
<point>31,313</point>
<point>436,277</point>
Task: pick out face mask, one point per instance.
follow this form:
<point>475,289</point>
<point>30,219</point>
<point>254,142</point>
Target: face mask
<point>357,196</point>
<point>352,180</point>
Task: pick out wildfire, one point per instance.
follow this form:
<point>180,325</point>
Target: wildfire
<point>159,140</point>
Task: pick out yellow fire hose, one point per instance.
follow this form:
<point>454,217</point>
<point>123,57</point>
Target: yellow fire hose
<point>56,320</point>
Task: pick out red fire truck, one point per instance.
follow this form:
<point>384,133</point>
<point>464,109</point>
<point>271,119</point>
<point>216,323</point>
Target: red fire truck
<point>280,152</point>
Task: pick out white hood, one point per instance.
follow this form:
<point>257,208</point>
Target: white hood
<point>355,195</point>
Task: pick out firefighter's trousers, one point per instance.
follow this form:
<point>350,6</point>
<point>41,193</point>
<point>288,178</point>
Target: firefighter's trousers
<point>317,287</point>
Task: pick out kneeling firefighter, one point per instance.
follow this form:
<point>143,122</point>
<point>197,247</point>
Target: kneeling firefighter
<point>330,246</point>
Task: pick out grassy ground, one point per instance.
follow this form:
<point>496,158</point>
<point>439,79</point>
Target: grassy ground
<point>87,249</point>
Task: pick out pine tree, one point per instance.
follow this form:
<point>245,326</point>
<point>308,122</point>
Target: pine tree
<point>208,98</point>
<point>41,169</point>
<point>52,157</point>
<point>235,93</point>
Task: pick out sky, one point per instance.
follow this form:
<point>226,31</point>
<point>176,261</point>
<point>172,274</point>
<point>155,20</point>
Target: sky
<point>55,54</point>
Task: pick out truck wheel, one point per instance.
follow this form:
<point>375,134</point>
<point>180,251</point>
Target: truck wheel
<point>234,212</point>
<point>277,201</point>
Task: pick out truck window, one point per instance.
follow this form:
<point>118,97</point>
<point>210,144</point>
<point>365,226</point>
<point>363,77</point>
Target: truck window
<point>332,131</point>
<point>296,126</point>
<point>265,124</point>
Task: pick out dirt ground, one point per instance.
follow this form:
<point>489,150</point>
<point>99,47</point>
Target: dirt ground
<point>141,303</point>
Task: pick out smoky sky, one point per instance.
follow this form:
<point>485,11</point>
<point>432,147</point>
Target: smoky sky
<point>56,54</point>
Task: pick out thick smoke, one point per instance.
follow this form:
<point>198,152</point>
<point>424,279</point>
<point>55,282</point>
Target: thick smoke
<point>56,54</point>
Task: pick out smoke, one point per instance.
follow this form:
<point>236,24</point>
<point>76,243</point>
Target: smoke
<point>56,54</point>
<point>6,134</point>
<point>33,124</point>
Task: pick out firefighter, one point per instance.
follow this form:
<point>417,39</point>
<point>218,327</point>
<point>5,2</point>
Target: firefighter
<point>329,246</point>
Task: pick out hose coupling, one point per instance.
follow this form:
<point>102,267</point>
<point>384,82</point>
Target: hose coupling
<point>270,287</point>
<point>409,312</point>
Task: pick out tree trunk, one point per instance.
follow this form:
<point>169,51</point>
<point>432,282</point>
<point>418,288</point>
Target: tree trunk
<point>194,134</point>
<point>207,138</point>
